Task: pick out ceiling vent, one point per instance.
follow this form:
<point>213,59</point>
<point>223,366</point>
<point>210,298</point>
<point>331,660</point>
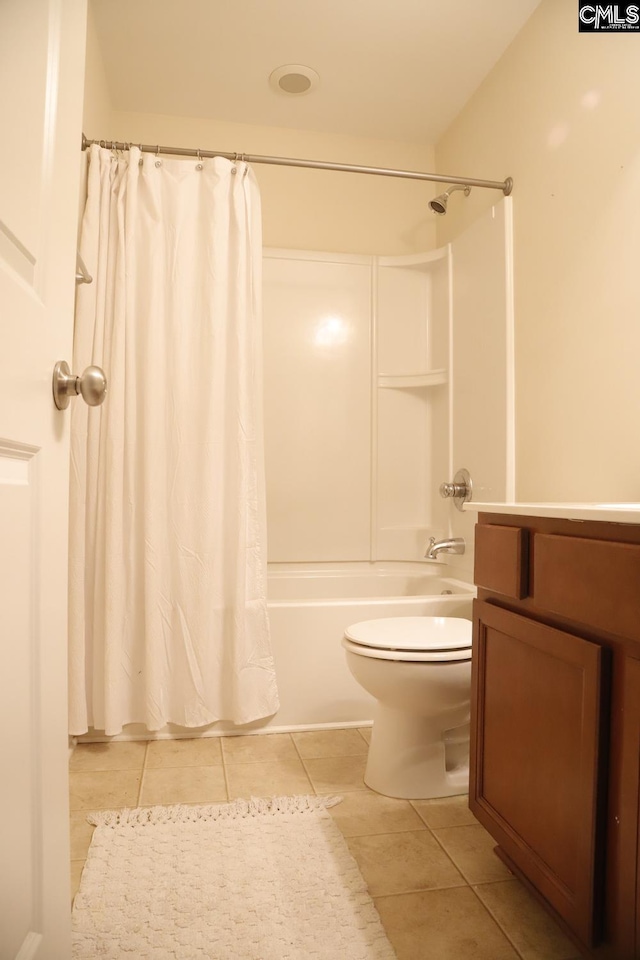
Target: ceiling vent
<point>294,79</point>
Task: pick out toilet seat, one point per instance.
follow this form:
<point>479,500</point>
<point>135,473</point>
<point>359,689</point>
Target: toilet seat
<point>411,639</point>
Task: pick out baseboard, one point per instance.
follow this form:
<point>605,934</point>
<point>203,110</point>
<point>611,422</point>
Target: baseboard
<point>92,737</point>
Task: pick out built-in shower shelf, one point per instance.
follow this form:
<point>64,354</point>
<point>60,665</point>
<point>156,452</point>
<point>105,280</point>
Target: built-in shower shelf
<point>432,378</point>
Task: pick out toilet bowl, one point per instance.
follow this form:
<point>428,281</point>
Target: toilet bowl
<point>419,671</point>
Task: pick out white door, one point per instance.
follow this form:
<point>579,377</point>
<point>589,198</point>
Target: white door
<point>41,84</point>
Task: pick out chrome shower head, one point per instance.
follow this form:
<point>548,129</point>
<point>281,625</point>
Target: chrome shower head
<point>439,204</point>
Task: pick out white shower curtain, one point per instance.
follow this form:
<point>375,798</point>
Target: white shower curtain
<point>168,616</point>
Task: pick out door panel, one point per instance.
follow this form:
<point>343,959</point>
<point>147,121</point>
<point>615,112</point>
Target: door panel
<point>41,77</point>
<point>537,728</point>
<point>24,39</point>
<point>18,892</point>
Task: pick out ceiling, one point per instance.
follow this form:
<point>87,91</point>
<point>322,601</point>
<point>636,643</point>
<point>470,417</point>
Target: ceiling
<point>389,69</point>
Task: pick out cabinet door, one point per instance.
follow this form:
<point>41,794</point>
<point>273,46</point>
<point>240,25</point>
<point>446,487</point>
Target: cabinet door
<point>536,738</point>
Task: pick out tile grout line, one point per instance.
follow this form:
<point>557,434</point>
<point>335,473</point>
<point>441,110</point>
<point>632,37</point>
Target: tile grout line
<point>224,770</point>
<point>445,826</point>
<point>363,736</point>
<point>415,810</point>
<point>496,921</point>
<point>405,893</point>
<point>350,756</point>
<point>422,829</point>
<point>143,772</point>
<point>304,766</point>
<point>470,885</point>
<point>446,852</point>
<point>385,833</point>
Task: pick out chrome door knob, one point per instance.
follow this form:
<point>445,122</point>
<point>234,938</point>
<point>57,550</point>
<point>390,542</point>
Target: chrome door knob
<point>92,385</point>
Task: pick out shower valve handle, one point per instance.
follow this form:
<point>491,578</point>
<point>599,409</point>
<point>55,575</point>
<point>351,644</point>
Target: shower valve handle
<point>453,489</point>
<point>92,385</point>
<point>460,490</point>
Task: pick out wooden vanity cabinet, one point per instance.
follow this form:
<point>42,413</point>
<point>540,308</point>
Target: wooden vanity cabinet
<point>555,729</point>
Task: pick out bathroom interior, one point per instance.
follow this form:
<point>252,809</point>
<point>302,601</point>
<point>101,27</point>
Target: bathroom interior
<point>399,347</point>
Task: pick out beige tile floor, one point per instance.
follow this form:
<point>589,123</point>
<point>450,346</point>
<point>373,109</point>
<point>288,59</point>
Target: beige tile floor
<point>440,890</point>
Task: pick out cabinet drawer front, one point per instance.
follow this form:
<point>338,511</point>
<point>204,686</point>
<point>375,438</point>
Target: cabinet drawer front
<point>501,563</point>
<point>536,734</point>
<point>595,582</point>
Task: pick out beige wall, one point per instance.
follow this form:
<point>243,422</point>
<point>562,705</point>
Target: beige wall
<point>96,120</point>
<point>302,209</point>
<point>559,113</point>
<point>311,209</point>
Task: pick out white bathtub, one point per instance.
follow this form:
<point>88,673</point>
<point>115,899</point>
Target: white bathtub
<point>311,606</point>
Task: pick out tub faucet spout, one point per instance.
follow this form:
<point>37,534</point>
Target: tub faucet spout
<point>451,545</point>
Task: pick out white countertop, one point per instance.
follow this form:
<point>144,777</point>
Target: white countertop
<point>610,512</point>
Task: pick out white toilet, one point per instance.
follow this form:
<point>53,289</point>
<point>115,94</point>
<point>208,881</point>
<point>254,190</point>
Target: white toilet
<point>419,671</point>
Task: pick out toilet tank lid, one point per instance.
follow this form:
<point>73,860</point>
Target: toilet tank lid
<point>412,633</point>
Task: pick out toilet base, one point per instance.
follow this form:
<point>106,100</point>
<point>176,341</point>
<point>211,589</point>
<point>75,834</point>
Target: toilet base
<point>411,759</point>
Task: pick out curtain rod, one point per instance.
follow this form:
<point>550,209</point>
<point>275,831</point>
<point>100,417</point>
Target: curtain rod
<point>505,185</point>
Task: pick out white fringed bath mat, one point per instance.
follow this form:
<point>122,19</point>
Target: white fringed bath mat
<point>248,880</point>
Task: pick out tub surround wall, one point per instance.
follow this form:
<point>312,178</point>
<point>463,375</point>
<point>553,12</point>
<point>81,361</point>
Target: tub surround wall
<point>411,371</point>
<point>317,370</point>
<point>482,354</point>
<point>355,357</point>
<point>364,359</point>
<point>482,426</point>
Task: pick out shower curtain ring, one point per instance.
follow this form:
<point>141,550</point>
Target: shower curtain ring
<point>199,163</point>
